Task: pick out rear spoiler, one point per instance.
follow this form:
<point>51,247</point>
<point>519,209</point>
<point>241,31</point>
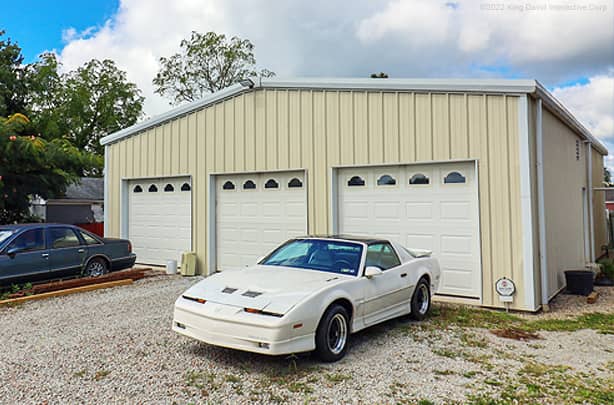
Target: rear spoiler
<point>420,252</point>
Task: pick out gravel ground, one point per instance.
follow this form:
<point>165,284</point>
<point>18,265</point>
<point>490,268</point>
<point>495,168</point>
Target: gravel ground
<point>116,346</point>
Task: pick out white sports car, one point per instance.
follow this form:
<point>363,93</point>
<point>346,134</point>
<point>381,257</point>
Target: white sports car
<point>309,294</point>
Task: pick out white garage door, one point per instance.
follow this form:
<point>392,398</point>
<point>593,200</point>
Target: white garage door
<point>160,219</point>
<point>431,207</point>
<point>255,213</point>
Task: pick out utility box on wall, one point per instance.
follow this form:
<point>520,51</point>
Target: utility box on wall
<point>188,264</point>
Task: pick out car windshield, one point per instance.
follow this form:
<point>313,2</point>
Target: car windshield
<point>318,254</point>
<point>5,234</point>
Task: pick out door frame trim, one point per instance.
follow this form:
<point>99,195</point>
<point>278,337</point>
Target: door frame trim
<point>334,202</point>
<point>211,250</point>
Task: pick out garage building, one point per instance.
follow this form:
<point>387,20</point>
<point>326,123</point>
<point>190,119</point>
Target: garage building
<point>495,177</point>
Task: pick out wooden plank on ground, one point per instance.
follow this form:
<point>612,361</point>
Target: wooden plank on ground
<point>68,291</point>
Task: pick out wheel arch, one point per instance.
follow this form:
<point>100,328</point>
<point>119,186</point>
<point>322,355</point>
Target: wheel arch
<point>98,255</point>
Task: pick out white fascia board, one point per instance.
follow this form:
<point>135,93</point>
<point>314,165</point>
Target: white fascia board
<point>445,85</point>
<point>556,107</point>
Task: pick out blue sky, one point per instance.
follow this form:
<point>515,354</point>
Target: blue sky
<point>37,25</point>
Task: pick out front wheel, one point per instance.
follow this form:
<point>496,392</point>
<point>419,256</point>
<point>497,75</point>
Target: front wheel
<point>421,300</point>
<point>332,335</point>
<point>96,267</point>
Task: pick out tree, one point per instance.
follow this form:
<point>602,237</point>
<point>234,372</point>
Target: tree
<point>380,75</point>
<point>12,86</point>
<point>206,63</point>
<point>82,105</point>
<point>31,165</point>
<point>607,177</point>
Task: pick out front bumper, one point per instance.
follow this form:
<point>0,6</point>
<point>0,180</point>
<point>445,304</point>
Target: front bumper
<point>231,327</point>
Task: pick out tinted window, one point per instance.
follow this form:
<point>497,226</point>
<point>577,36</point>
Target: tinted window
<point>185,187</point>
<point>386,180</point>
<point>63,238</point>
<point>229,185</point>
<point>153,188</point>
<point>419,179</point>
<point>89,239</point>
<point>169,188</point>
<point>317,254</point>
<point>356,181</point>
<point>249,185</point>
<point>382,255</point>
<point>30,240</point>
<point>454,177</point>
<point>295,183</point>
<point>271,184</point>
<point>138,189</point>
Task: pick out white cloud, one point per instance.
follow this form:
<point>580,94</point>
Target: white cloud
<point>592,103</point>
<point>334,38</point>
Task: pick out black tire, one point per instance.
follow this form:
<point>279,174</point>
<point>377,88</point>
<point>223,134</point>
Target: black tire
<point>96,267</point>
<point>333,334</point>
<point>421,300</point>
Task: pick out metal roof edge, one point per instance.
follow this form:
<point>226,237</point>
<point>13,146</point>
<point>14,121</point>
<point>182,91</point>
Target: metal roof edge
<point>556,107</point>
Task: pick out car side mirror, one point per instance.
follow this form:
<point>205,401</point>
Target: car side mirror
<point>372,271</point>
<point>11,252</point>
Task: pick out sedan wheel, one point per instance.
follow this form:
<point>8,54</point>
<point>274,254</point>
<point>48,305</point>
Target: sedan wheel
<point>332,335</point>
<point>96,267</point>
<point>421,300</point>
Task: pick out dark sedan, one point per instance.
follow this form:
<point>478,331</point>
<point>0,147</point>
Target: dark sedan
<point>36,252</point>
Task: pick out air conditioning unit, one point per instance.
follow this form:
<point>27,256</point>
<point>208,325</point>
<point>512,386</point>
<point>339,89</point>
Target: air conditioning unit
<point>188,264</point>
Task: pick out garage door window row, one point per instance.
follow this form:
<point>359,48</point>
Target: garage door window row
<point>169,188</point>
<point>417,179</point>
<point>270,184</point>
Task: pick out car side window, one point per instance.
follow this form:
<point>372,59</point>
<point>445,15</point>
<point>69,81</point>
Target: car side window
<point>29,241</point>
<point>382,255</point>
<point>89,240</point>
<point>63,238</point>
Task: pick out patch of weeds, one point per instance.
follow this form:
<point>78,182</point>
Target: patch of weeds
<point>604,323</point>
<point>300,387</point>
<point>540,369</point>
<point>451,354</point>
<point>444,372</point>
<point>80,373</point>
<point>482,359</point>
<point>446,315</point>
<point>470,374</point>
<point>231,378</point>
<point>201,380</point>
<point>100,374</point>
<point>491,381</point>
<point>472,340</point>
<point>485,400</point>
<point>425,402</point>
<point>337,377</point>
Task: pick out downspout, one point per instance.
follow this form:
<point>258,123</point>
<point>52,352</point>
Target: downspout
<point>105,173</point>
<point>541,210</point>
<point>589,182</point>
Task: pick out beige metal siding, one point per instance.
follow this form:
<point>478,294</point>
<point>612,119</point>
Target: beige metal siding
<point>564,179</point>
<point>315,130</point>
<point>599,210</point>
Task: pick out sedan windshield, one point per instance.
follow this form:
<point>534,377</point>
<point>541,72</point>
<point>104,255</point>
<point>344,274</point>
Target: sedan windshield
<point>5,234</point>
<point>318,254</point>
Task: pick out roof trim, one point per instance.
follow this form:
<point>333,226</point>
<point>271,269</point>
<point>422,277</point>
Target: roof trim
<point>497,86</point>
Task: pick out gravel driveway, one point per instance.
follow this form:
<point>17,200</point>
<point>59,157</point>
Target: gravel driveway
<point>116,346</point>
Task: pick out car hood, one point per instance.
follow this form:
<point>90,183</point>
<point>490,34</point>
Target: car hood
<point>273,289</point>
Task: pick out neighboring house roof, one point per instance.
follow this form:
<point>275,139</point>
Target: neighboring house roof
<point>497,86</point>
<point>87,189</point>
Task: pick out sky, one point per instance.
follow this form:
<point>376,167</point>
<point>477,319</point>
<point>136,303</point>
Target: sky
<point>567,45</point>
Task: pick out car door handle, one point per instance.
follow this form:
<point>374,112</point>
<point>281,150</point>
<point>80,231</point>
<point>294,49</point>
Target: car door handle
<point>45,255</point>
<point>403,275</point>
<point>81,250</point>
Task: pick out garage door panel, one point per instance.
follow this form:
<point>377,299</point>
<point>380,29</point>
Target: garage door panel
<point>438,216</point>
<point>159,223</point>
<point>262,218</point>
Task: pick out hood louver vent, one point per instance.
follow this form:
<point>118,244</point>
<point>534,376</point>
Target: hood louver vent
<point>229,290</point>
<point>251,294</point>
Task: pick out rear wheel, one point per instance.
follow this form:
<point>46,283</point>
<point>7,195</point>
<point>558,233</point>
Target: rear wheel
<point>421,300</point>
<point>96,267</point>
<point>333,333</point>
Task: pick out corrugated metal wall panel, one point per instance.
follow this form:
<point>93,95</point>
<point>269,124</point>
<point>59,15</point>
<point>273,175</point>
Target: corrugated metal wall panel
<point>291,129</point>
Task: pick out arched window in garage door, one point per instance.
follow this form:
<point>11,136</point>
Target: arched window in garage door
<point>153,188</point>
<point>454,178</point>
<point>169,188</point>
<point>249,185</point>
<point>186,187</point>
<point>419,178</point>
<point>295,183</point>
<point>386,180</point>
<point>229,185</point>
<point>137,189</point>
<point>356,181</point>
<point>271,184</point>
